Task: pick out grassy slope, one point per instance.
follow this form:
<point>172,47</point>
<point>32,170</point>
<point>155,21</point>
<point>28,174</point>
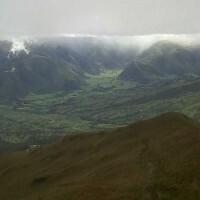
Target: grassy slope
<point>103,103</point>
<point>153,159</point>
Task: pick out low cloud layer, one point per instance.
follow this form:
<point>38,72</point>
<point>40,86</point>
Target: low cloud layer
<point>138,43</point>
<point>98,17</point>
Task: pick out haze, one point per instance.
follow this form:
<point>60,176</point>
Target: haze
<point>98,17</point>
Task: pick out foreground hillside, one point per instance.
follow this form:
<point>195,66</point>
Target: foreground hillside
<point>151,159</point>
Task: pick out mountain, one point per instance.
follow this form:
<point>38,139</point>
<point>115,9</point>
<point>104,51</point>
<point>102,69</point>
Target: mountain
<point>150,159</point>
<point>164,60</point>
<point>38,74</point>
<point>40,71</point>
<point>55,64</point>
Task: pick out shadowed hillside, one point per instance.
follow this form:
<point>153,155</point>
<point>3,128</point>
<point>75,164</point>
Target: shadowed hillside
<point>56,64</point>
<point>164,60</point>
<point>152,159</point>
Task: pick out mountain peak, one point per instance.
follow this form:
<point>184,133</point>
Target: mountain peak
<point>163,60</point>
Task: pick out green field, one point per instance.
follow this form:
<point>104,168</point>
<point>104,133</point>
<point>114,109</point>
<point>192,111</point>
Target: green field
<point>102,103</point>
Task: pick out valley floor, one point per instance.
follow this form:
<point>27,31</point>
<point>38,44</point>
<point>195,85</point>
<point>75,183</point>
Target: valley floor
<point>104,102</point>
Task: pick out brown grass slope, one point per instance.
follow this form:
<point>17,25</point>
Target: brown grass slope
<point>152,159</point>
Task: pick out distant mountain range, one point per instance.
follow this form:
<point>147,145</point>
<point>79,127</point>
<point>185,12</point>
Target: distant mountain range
<point>63,63</point>
<point>151,159</point>
<point>49,65</point>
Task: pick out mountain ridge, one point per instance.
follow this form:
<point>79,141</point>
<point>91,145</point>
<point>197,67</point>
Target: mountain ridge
<point>55,65</point>
<point>163,60</point>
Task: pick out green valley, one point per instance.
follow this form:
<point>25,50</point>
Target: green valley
<point>104,102</point>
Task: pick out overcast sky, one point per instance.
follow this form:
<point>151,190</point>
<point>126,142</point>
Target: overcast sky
<point>99,17</point>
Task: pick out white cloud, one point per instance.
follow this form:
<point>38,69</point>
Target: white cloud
<point>18,46</point>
